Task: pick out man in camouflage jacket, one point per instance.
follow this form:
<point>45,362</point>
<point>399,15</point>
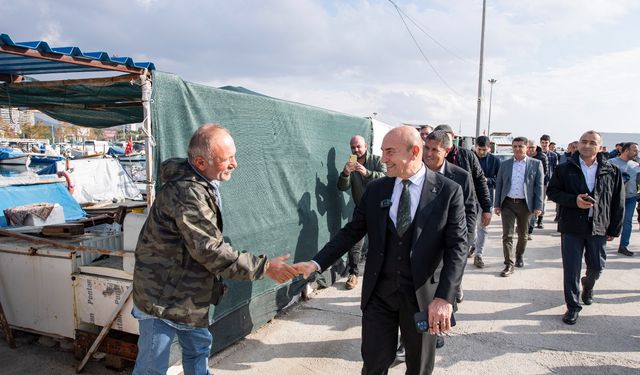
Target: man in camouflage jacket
<point>181,256</point>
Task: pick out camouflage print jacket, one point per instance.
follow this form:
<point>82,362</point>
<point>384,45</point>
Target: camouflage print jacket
<point>181,255</point>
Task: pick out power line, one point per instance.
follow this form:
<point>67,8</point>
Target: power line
<point>429,35</point>
<point>423,54</point>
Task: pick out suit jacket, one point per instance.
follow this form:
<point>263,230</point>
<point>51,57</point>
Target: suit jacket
<point>463,178</point>
<point>439,235</point>
<point>533,183</point>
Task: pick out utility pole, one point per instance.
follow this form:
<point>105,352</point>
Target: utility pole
<point>491,82</point>
<point>484,7</point>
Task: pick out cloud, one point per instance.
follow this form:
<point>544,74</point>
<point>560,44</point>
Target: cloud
<point>561,64</point>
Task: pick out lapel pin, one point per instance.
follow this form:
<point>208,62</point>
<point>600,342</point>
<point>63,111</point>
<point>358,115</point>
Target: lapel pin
<point>385,203</point>
<point>434,190</point>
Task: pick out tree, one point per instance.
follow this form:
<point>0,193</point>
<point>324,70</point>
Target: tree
<point>39,130</point>
<point>6,130</point>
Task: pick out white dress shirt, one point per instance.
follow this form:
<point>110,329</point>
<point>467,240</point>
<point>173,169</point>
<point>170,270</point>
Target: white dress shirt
<point>589,173</point>
<point>517,178</point>
<point>415,189</point>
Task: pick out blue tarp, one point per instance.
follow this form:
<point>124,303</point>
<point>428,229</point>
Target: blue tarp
<point>19,195</point>
<point>8,152</point>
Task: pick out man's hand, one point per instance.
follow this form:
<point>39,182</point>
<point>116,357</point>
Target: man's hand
<point>280,271</point>
<point>440,311</point>
<point>305,268</point>
<point>609,238</point>
<point>348,168</point>
<point>582,202</point>
<point>361,169</point>
<point>486,219</point>
<point>497,210</point>
<point>537,212</point>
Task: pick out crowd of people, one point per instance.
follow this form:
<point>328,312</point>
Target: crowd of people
<point>424,206</point>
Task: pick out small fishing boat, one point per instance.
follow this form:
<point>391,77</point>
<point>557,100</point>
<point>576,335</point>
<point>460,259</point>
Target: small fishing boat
<point>12,156</point>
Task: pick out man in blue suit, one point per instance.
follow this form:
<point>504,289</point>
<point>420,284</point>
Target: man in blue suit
<point>519,194</point>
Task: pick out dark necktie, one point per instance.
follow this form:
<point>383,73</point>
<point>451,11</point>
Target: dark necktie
<point>403,221</point>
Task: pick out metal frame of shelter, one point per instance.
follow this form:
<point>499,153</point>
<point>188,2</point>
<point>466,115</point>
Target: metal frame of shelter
<point>21,59</point>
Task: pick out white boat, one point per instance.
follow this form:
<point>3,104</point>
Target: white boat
<point>23,160</point>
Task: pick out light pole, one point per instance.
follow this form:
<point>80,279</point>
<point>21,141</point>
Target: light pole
<point>491,82</point>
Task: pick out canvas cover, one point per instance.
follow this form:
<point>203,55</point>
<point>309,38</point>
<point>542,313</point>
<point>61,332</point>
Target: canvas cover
<point>283,197</point>
<point>101,179</point>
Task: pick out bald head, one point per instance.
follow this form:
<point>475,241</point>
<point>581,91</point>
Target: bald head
<point>402,152</point>
<point>358,146</point>
<point>212,152</point>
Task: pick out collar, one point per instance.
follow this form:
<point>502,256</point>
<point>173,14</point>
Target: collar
<point>584,165</point>
<point>417,179</point>
<point>521,161</point>
<point>214,183</point>
<point>442,167</point>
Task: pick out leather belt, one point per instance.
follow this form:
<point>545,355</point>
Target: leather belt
<point>516,200</point>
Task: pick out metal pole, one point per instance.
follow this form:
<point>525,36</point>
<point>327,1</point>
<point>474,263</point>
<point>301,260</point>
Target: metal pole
<point>491,81</point>
<point>148,138</point>
<point>484,6</point>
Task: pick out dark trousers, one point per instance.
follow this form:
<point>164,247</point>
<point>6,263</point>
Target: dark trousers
<point>514,212</point>
<point>380,321</point>
<point>354,257</point>
<point>573,246</point>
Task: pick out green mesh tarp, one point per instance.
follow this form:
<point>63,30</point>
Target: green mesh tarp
<point>283,196</point>
<point>96,106</point>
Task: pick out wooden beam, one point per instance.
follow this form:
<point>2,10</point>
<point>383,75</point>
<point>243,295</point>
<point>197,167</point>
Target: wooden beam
<point>74,60</point>
<point>114,314</point>
<point>58,245</point>
<point>106,81</point>
<point>10,78</point>
<point>86,106</point>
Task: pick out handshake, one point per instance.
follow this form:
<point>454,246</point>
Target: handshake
<point>281,272</point>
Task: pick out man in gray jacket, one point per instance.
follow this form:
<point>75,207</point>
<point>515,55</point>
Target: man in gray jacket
<point>519,189</point>
<point>356,175</point>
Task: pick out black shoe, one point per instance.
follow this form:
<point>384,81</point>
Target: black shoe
<point>519,262</point>
<point>624,251</point>
<point>540,225</point>
<point>439,342</point>
<point>472,252</point>
<point>459,295</point>
<point>400,353</point>
<point>587,294</point>
<point>570,317</point>
<point>507,271</point>
<point>478,262</point>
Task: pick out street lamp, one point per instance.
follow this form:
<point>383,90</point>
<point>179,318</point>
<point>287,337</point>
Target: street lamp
<point>491,81</point>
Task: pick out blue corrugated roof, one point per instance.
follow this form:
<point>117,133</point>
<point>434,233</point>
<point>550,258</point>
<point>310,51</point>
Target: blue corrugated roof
<point>37,57</point>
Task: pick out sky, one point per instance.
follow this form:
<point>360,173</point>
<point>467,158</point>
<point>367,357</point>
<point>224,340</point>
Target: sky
<point>562,66</point>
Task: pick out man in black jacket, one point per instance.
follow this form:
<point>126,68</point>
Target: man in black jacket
<point>533,151</point>
<point>590,197</point>
<point>490,165</point>
<point>467,160</point>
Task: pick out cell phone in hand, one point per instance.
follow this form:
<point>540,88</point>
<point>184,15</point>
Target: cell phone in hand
<point>422,322</point>
<point>353,158</point>
<point>589,199</point>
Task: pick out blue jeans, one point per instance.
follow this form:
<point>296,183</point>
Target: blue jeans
<point>481,234</point>
<point>627,225</point>
<point>154,346</point>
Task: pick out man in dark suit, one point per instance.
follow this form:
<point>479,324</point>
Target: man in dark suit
<point>415,220</point>
<point>519,189</point>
